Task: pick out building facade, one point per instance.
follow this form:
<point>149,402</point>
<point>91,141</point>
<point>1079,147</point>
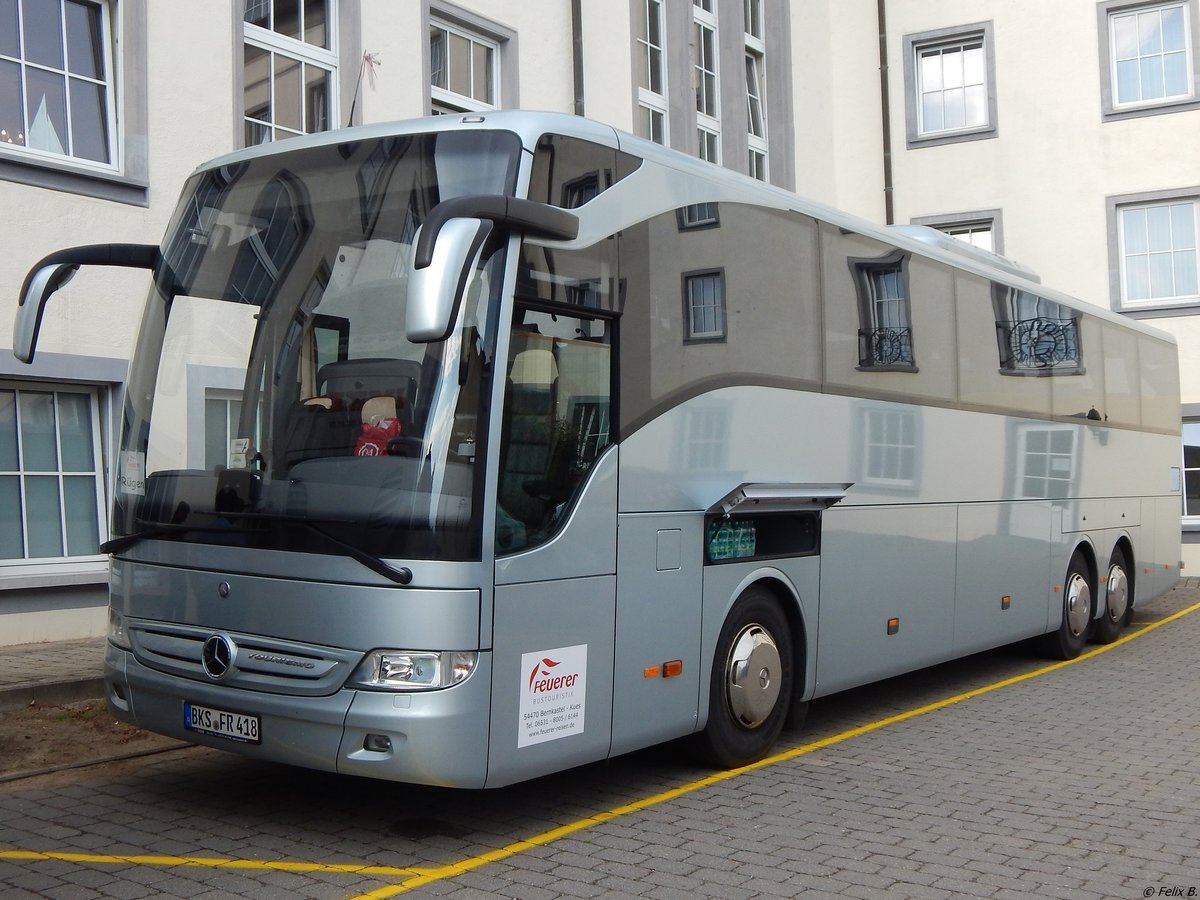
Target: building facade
<point>1058,134</point>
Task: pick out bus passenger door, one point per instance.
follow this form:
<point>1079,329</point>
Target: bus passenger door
<point>556,524</point>
<point>656,675</point>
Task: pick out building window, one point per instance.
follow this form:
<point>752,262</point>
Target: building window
<point>463,70</point>
<point>1158,252</point>
<point>891,448</point>
<point>56,81</point>
<point>977,234</point>
<point>1035,335</point>
<point>980,228</point>
<point>885,336</point>
<point>753,14</point>
<point>953,87</point>
<point>704,306</point>
<point>51,477</point>
<point>708,88</point>
<point>756,119</point>
<point>224,444</point>
<point>1191,470</point>
<point>1047,458</point>
<point>698,215</point>
<point>706,445</point>
<point>652,73</point>
<point>948,75</point>
<point>289,69</point>
<point>1150,55</point>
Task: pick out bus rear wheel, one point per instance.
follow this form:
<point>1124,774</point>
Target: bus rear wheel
<point>1118,598</point>
<point>1067,641</point>
<point>751,683</point>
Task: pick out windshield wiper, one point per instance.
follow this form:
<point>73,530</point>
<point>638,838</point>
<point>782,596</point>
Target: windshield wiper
<point>117,544</point>
<point>401,575</point>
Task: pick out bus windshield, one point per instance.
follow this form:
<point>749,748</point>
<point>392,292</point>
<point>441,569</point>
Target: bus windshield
<point>275,400</point>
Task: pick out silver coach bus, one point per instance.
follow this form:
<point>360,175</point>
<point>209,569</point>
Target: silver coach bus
<point>463,450</point>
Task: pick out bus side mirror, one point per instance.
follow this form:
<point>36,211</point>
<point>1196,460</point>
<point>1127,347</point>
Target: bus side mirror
<point>39,286</point>
<point>446,250</point>
<point>436,289</point>
<point>54,271</point>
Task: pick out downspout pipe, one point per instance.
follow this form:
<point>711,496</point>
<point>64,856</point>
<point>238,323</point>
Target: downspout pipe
<point>577,53</point>
<point>885,103</point>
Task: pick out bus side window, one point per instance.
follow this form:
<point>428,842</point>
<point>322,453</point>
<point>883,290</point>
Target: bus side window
<point>556,421</point>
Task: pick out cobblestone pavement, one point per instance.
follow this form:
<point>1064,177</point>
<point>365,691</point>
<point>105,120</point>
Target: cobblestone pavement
<point>1079,782</point>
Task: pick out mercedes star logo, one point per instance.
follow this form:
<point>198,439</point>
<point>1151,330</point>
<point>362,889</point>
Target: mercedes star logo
<point>217,656</point>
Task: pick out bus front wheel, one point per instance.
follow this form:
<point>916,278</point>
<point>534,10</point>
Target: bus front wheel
<point>751,683</point>
<point>1118,597</point>
<point>1067,641</point>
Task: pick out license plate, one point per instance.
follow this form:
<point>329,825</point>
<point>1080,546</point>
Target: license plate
<point>222,723</point>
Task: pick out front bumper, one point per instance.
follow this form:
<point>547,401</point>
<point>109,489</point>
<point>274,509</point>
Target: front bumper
<point>436,737</point>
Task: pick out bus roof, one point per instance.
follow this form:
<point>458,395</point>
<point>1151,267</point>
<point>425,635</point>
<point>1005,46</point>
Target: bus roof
<point>729,186</point>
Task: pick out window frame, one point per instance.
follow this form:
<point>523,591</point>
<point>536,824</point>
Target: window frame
<point>652,106</point>
<point>913,45</point>
<point>756,112</point>
<point>1011,306</point>
<point>708,116</point>
<point>864,271</point>
<point>882,442</point>
<point>1111,110</point>
<point>690,335</point>
<point>107,45</point>
<point>53,567</point>
<point>444,100</point>
<point>1150,308</point>
<point>698,216</point>
<point>275,44</point>
<point>1191,416</point>
<point>1025,455</point>
<point>991,218</point>
<point>125,179</point>
<point>504,58</point>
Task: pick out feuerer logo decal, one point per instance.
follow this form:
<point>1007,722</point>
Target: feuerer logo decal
<point>553,691</point>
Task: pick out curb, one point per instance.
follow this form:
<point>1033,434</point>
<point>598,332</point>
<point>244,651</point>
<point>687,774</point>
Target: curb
<point>53,693</point>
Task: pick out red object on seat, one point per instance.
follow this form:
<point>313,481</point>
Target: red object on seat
<point>375,435</point>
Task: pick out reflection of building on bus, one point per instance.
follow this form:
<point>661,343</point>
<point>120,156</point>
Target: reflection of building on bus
<point>521,406</point>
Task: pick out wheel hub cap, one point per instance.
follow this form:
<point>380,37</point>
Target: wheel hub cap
<point>1079,604</point>
<point>1117,594</point>
<point>752,676</point>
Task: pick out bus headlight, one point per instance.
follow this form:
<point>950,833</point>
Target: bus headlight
<point>117,635</point>
<point>413,670</point>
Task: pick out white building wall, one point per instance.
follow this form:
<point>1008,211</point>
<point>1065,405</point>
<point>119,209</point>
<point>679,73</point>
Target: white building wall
<point>1049,169</point>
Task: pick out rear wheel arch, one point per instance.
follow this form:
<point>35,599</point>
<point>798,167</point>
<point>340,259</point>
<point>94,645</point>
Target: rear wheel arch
<point>792,606</point>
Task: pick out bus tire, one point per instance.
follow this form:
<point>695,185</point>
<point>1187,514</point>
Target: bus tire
<point>1067,641</point>
<point>1118,598</point>
<point>750,688</point>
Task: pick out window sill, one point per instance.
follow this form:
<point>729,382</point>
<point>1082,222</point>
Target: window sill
<point>28,576</point>
<point>1161,311</point>
<point>937,138</point>
<point>1047,372</point>
<point>1166,107</point>
<point>912,370</point>
<point>63,176</point>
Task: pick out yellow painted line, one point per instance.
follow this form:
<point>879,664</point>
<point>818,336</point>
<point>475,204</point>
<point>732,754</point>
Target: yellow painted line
<point>546,837</point>
<point>258,865</point>
<point>416,876</point>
